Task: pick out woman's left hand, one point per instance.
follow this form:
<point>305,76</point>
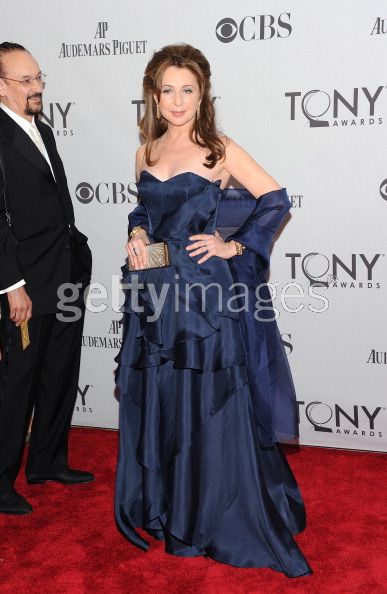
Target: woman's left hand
<point>211,245</point>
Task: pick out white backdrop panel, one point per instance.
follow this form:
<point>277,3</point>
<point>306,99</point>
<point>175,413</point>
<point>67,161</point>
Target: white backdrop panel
<point>327,148</point>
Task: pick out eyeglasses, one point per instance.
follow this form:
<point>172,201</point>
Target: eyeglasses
<point>28,80</point>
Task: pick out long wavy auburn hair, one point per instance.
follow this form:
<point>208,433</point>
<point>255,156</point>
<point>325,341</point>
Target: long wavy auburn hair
<point>203,132</point>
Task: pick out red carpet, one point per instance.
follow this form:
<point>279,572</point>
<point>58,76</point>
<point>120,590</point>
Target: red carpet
<point>70,544</point>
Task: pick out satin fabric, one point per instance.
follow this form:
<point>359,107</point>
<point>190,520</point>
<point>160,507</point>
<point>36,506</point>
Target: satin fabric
<point>198,462</point>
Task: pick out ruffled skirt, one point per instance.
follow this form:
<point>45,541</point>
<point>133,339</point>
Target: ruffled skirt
<point>191,469</point>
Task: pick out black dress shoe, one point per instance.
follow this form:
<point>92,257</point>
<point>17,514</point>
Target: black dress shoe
<point>13,503</point>
<point>68,476</point>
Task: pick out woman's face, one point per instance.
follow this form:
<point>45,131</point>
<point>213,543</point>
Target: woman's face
<point>179,96</point>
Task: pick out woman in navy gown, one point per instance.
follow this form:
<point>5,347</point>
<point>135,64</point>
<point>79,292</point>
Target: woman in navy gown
<point>204,385</point>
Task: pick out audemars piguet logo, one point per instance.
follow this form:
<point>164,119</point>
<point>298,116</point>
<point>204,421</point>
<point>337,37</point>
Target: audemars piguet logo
<point>377,357</point>
<point>112,340</point>
<point>379,27</point>
<point>296,200</point>
<point>100,46</point>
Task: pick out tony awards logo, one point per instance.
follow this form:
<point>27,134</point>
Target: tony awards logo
<point>56,115</point>
<point>321,109</point>
<point>334,271</point>
<point>333,418</point>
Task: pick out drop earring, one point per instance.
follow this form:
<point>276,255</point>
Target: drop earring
<point>158,113</point>
<point>198,111</point>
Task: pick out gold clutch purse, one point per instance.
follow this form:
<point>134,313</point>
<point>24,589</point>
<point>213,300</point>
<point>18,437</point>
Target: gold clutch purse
<point>157,256</point>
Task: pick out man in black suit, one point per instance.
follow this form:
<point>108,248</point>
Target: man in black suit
<point>41,253</point>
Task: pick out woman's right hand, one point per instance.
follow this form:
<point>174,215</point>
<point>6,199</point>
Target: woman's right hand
<point>136,249</point>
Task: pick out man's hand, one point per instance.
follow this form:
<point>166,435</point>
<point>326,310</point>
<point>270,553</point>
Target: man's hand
<point>20,306</point>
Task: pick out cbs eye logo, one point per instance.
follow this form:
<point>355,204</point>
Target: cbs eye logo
<point>84,192</point>
<point>226,30</point>
<point>383,189</point>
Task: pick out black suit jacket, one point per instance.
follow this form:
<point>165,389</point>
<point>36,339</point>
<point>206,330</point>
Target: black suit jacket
<point>43,246</point>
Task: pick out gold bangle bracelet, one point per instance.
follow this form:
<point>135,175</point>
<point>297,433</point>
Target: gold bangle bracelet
<point>239,248</point>
<point>135,230</point>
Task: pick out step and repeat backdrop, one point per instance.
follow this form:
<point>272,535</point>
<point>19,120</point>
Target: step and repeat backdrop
<point>303,87</point>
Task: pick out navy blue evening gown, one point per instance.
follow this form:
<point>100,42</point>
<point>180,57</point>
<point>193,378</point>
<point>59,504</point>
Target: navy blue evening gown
<point>205,391</point>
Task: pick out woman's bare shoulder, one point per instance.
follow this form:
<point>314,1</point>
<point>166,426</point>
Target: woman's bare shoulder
<point>243,167</point>
<point>140,159</point>
<point>224,139</point>
<point>140,152</point>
